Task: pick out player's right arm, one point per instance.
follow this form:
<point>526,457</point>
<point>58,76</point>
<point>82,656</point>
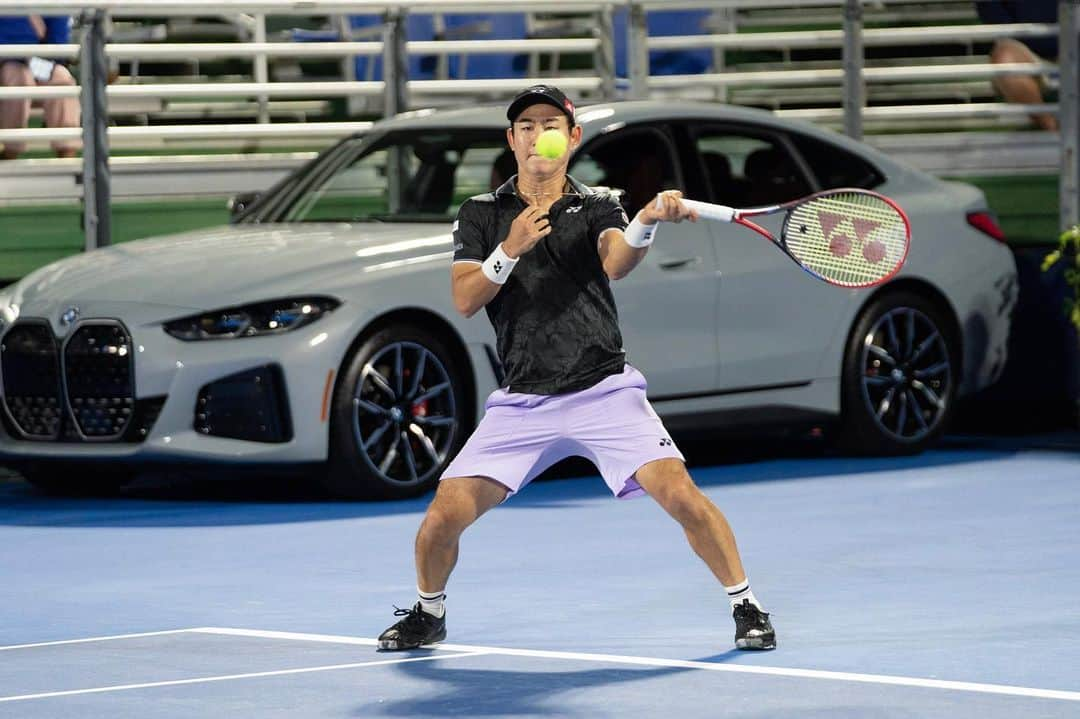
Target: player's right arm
<point>471,288</point>
<point>475,282</point>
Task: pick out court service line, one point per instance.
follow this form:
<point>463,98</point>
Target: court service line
<point>231,677</point>
<point>1005,689</point>
<point>93,639</point>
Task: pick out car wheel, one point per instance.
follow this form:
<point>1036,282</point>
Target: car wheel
<point>72,480</point>
<point>398,416</point>
<point>899,376</point>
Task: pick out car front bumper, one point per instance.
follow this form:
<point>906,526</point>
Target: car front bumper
<point>175,376</point>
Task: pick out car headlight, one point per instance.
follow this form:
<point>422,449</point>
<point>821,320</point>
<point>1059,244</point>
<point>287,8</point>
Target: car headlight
<point>255,320</point>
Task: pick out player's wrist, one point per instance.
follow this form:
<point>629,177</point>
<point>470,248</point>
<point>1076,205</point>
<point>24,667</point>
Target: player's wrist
<point>638,234</point>
<point>498,265</point>
<point>646,219</point>
<point>508,250</point>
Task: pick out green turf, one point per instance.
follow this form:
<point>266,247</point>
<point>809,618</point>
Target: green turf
<point>1026,206</point>
<point>31,237</point>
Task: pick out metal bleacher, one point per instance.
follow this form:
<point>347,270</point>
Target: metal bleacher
<point>920,62</point>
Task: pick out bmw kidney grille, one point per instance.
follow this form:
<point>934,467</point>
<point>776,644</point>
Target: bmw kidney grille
<point>80,393</point>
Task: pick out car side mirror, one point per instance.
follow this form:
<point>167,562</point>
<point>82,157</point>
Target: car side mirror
<point>238,203</point>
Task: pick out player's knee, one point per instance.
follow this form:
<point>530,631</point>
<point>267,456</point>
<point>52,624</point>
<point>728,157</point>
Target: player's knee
<point>677,494</point>
<point>438,528</point>
<point>689,506</point>
<point>448,515</point>
<point>443,521</point>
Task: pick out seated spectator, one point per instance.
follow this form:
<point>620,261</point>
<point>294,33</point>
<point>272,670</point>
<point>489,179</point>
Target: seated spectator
<point>32,71</point>
<point>1022,89</point>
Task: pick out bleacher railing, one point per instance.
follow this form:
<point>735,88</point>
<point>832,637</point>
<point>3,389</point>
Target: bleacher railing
<point>397,92</point>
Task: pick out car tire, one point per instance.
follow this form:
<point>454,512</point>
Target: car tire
<point>398,416</point>
<point>899,376</point>
<point>63,479</point>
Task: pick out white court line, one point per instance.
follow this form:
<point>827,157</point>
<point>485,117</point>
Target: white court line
<point>1071,696</point>
<point>93,639</point>
<point>230,677</point>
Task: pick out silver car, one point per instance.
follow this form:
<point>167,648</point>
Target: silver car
<point>317,330</point>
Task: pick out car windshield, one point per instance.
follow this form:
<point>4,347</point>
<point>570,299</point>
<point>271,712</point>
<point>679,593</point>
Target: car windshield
<point>407,176</point>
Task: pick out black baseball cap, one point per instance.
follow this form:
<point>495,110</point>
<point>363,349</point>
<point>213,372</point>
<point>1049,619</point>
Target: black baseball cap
<point>537,94</point>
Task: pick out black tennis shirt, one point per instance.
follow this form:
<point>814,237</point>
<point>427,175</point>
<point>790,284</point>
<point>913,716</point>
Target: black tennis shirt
<point>556,326</point>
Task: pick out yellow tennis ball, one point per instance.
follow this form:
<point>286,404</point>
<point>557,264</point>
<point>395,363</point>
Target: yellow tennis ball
<point>551,144</point>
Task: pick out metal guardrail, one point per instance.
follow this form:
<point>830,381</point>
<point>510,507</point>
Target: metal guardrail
<point>853,76</point>
<point>131,133</point>
<point>835,38</point>
<point>397,90</point>
<point>248,50</point>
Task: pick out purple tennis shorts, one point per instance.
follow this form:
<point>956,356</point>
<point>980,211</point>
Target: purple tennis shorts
<point>611,424</point>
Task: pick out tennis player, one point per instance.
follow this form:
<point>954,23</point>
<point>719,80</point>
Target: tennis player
<point>539,254</point>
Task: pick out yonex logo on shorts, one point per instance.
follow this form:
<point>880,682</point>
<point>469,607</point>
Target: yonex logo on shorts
<point>665,442</point>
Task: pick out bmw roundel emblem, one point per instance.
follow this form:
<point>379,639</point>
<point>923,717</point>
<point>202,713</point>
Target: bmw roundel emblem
<point>69,316</point>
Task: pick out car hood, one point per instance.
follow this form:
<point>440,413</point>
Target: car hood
<point>216,267</point>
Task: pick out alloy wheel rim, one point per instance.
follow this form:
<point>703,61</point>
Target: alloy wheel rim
<point>906,374</point>
<point>404,416</point>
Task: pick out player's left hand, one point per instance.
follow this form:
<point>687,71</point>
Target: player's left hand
<point>667,206</point>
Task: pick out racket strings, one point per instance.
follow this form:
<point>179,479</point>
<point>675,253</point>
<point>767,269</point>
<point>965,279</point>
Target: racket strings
<point>847,238</point>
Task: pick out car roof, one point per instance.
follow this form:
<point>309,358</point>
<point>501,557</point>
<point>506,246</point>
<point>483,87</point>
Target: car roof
<point>494,114</point>
<point>594,118</point>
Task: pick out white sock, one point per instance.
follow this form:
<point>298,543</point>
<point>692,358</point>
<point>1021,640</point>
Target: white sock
<point>737,593</point>
<point>432,602</point>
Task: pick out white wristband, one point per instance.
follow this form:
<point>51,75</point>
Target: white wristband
<point>498,266</point>
<point>639,235</point>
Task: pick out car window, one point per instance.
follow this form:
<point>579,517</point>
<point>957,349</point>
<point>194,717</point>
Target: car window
<point>357,189</point>
<point>745,170</point>
<point>436,173</point>
<point>637,161</point>
<point>836,167</point>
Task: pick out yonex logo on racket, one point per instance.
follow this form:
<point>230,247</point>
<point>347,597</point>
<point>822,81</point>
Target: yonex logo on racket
<point>834,226</point>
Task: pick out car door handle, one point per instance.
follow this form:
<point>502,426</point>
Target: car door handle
<point>679,264</point>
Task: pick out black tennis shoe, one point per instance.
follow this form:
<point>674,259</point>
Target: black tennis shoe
<point>753,630</point>
<point>418,628</point>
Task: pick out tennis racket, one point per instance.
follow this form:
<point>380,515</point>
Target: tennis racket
<point>847,237</point>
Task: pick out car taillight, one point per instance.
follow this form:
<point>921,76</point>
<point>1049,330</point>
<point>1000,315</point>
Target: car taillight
<point>985,223</point>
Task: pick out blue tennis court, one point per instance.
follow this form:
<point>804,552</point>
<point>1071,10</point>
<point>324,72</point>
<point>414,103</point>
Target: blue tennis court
<point>940,585</point>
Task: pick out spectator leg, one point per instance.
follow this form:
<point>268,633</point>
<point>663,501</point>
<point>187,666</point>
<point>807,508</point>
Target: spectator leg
<point>1021,89</point>
<point>14,114</point>
<point>62,112</point>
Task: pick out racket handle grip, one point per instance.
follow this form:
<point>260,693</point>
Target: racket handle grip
<point>710,211</point>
